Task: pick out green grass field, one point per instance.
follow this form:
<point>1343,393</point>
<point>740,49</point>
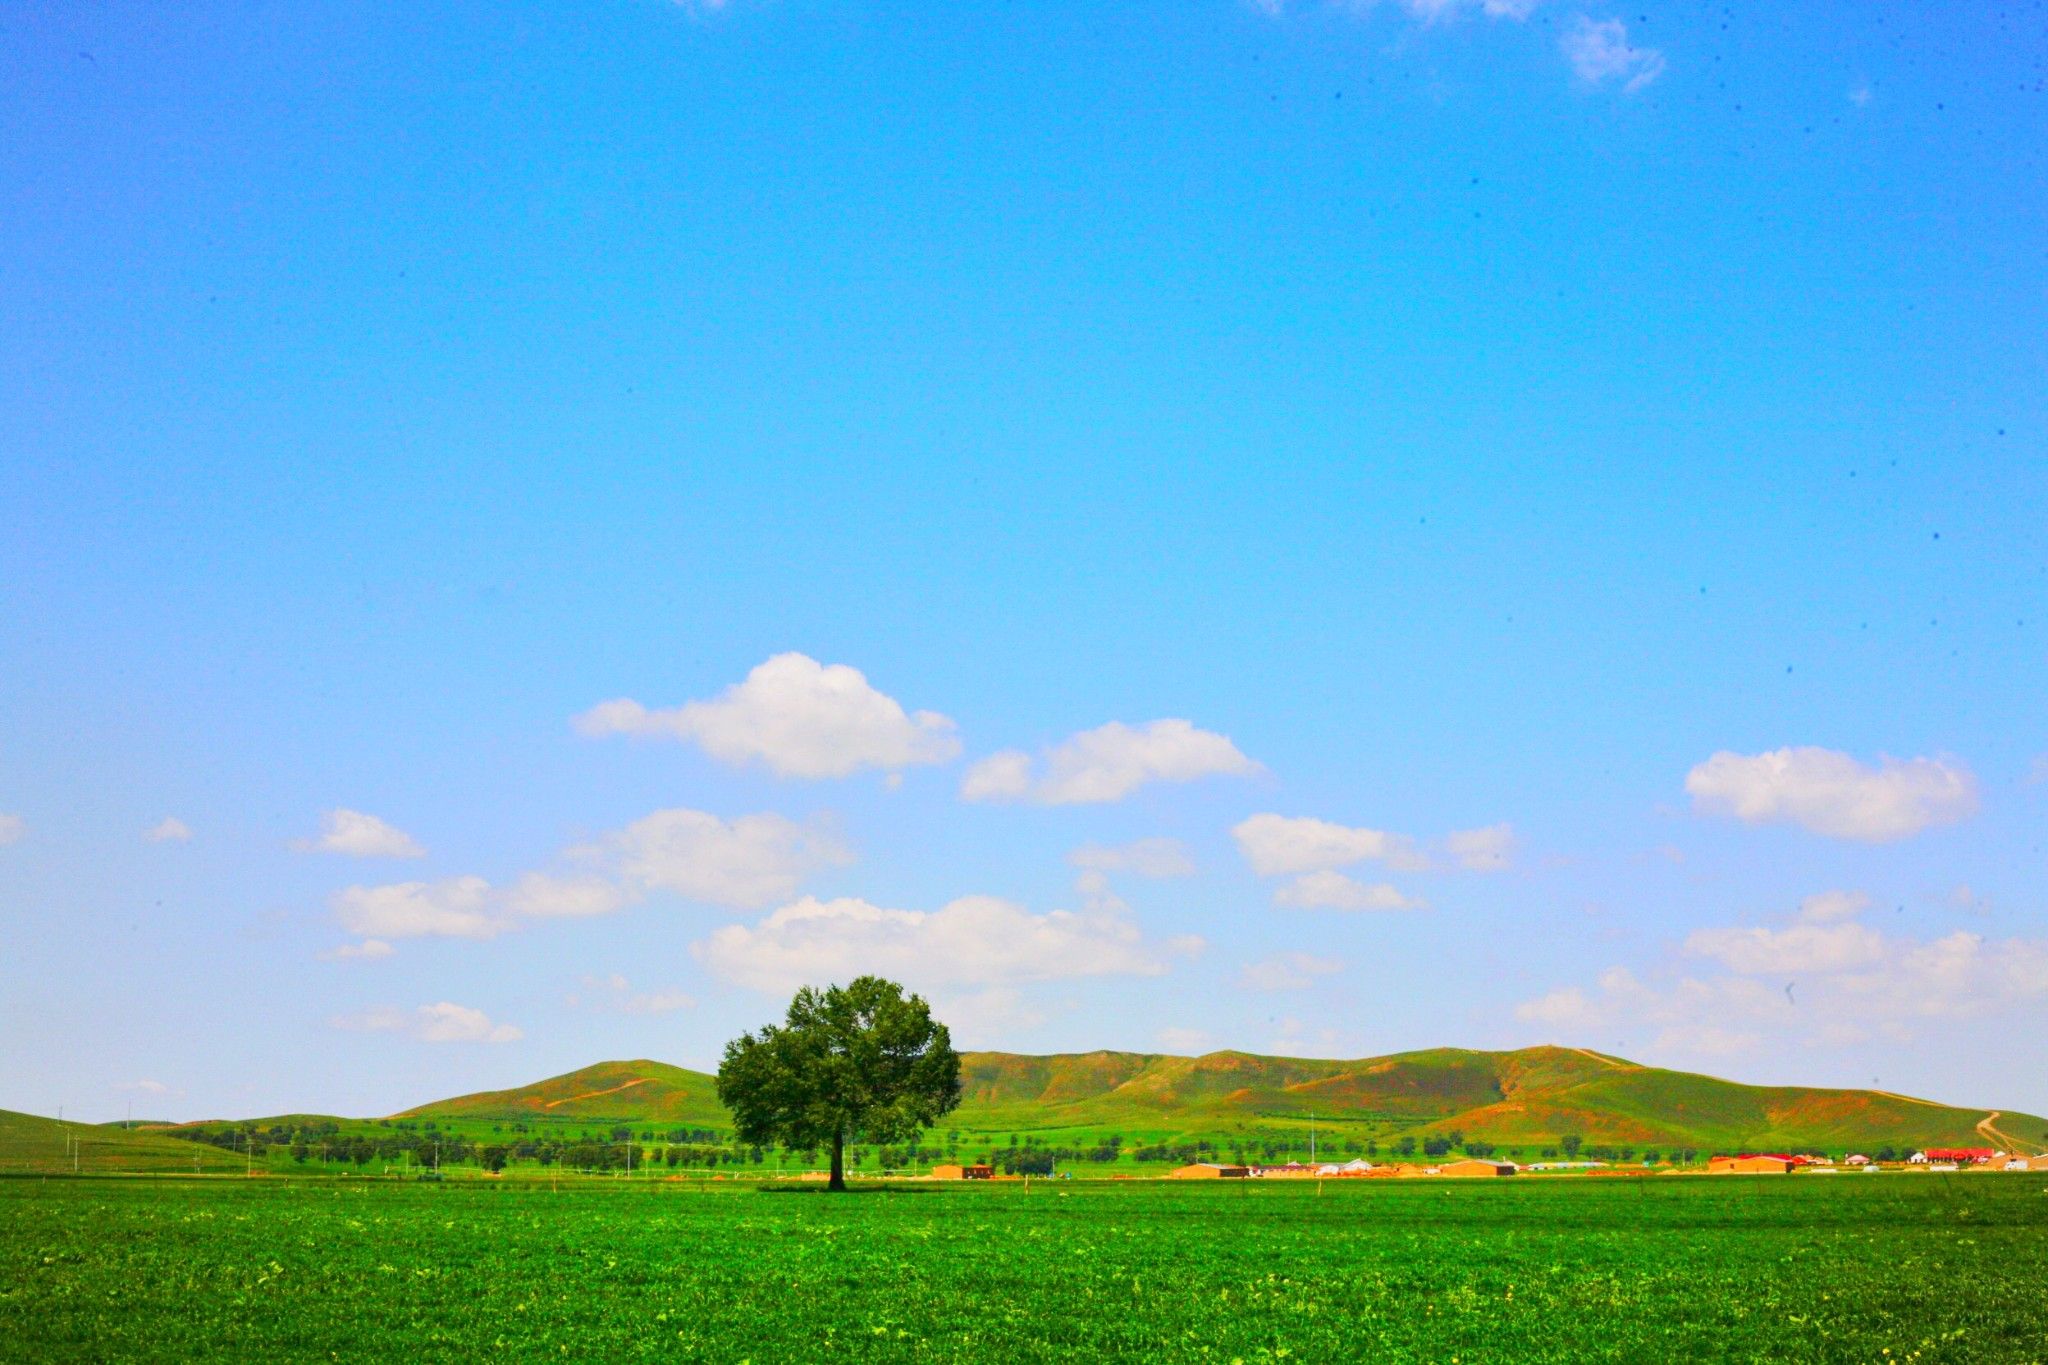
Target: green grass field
<point>1667,1269</point>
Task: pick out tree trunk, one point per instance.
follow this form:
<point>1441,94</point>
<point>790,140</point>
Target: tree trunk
<point>838,1162</point>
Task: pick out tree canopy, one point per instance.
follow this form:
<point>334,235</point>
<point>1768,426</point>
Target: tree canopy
<point>860,1062</point>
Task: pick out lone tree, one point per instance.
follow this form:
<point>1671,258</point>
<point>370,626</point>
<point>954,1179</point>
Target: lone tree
<point>860,1061</point>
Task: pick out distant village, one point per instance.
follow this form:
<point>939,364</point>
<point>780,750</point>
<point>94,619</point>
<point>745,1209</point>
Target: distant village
<point>1930,1160</point>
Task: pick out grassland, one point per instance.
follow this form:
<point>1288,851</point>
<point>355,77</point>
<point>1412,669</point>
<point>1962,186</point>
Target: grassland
<point>32,1145</point>
<point>1792,1269</point>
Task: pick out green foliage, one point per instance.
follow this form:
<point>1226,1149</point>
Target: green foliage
<point>1562,1270</point>
<point>860,1061</point>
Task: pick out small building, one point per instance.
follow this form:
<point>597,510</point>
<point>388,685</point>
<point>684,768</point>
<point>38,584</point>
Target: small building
<point>968,1172</point>
<point>1476,1166</point>
<point>1751,1163</point>
<point>1953,1156</point>
<point>1209,1170</point>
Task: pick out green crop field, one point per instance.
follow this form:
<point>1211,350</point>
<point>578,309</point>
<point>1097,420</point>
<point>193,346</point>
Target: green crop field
<point>1670,1269</point>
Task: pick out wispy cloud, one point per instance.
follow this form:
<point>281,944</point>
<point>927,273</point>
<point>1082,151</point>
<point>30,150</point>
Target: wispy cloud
<point>1107,764</point>
<point>169,830</point>
<point>972,941</point>
<point>1156,858</point>
<point>443,1022</point>
<point>1599,52</point>
<point>354,834</point>
<point>1288,972</point>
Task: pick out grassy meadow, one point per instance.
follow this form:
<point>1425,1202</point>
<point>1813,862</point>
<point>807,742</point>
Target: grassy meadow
<point>1889,1267</point>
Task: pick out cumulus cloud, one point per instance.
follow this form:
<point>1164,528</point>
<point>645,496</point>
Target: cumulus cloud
<point>746,863</point>
<point>1482,850</point>
<point>12,829</point>
<point>1276,845</point>
<point>615,993</point>
<point>1107,763</point>
<point>369,950</point>
<point>1599,51</point>
<point>356,835</point>
<point>1850,983</point>
<point>1187,1041</point>
<point>455,907</point>
<point>169,830</point>
<point>1335,891</point>
<point>972,941</point>
<point>443,1022</point>
<point>795,716</point>
<point>1288,972</point>
<point>147,1087</point>
<point>1831,793</point>
<point>1156,858</point>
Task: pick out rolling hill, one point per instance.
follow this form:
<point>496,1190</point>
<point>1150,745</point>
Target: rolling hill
<point>1527,1097</point>
<point>35,1145</point>
<point>624,1092</point>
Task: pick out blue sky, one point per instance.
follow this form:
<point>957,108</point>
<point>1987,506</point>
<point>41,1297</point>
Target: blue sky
<point>1494,523</point>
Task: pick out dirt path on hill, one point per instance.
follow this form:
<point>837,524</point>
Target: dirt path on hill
<point>1908,1099</point>
<point>627,1086</point>
<point>1604,1061</point>
<point>1988,1126</point>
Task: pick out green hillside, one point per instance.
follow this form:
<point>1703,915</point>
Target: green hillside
<point>1526,1098</point>
<point>622,1092</point>
<point>30,1144</point>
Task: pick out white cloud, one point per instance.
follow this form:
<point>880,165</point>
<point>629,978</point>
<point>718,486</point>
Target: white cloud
<point>1429,11</point>
<point>1849,984</point>
<point>1186,1041</point>
<point>168,831</point>
<point>369,950</point>
<point>12,829</point>
<point>1482,850</point>
<point>1335,891</point>
<point>1827,907</point>
<point>455,907</point>
<point>1798,948</point>
<point>1599,51</point>
<point>356,835</point>
<point>438,1023</point>
<point>1157,858</point>
<point>972,941</point>
<point>615,993</point>
<point>1831,793</point>
<point>1108,763</point>
<point>147,1087</point>
<point>1004,776</point>
<point>1276,845</point>
<point>2037,771</point>
<point>747,862</point>
<point>1288,972</point>
<point>796,716</point>
<point>1439,11</point>
<point>986,1018</point>
<point>539,895</point>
